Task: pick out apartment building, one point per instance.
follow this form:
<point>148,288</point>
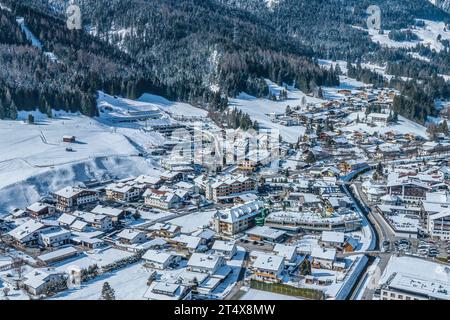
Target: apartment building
<point>225,190</point>
<point>237,219</point>
<point>69,198</point>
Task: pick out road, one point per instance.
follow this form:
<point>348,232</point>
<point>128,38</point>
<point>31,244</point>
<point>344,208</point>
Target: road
<point>367,282</point>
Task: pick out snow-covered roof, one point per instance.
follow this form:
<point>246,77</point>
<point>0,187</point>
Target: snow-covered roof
<point>129,234</point>
<point>203,260</point>
<point>158,256</point>
<point>333,237</point>
<point>268,262</point>
<point>26,229</point>
<point>57,254</point>
<point>225,246</point>
<point>109,211</point>
<point>418,276</point>
<point>324,254</point>
<point>37,207</point>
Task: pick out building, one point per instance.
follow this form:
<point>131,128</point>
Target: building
<point>55,238</point>
<point>40,210</point>
<point>164,230</point>
<point>69,139</point>
<point>411,278</point>
<point>114,213</point>
<point>323,258</point>
<point>98,221</point>
<point>237,219</point>
<point>58,255</point>
<point>69,198</point>
<point>288,252</point>
<point>160,290</point>
<point>161,199</point>
<point>226,189</point>
<point>439,225</point>
<point>226,249</point>
<point>28,232</point>
<point>205,263</point>
<point>160,259</point>
<point>378,118</point>
<point>268,267</point>
<point>129,236</point>
<point>122,192</point>
<point>38,281</point>
<point>266,234</point>
<point>332,239</point>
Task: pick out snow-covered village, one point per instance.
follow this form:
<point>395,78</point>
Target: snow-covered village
<point>326,194</point>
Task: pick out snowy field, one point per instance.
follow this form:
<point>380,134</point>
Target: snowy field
<point>427,36</point>
<point>129,283</point>
<point>34,160</point>
<point>403,126</point>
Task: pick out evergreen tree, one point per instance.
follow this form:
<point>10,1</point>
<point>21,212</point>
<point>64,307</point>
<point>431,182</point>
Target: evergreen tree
<point>13,111</point>
<point>108,293</point>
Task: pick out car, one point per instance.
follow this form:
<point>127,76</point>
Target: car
<point>386,243</point>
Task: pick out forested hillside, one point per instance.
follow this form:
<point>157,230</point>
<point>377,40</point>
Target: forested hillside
<point>179,49</point>
<point>203,50</point>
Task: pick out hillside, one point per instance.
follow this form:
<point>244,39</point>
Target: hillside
<point>182,50</point>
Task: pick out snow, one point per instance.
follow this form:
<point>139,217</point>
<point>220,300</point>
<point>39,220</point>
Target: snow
<point>96,257</point>
<point>253,294</point>
<point>427,34</point>
<point>129,283</point>
<point>174,108</point>
<point>403,126</point>
<point>258,108</point>
<point>34,160</point>
<point>191,222</point>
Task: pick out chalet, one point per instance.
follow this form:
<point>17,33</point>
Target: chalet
<point>115,214</point>
<point>288,252</point>
<point>160,259</point>
<point>71,197</point>
<point>121,191</point>
<point>323,258</point>
<point>205,263</point>
<point>28,232</point>
<point>129,236</point>
<point>55,238</point>
<point>332,239</point>
<point>40,210</point>
<point>161,199</point>
<point>226,249</point>
<point>164,230</point>
<point>69,139</point>
<point>378,118</point>
<point>160,290</point>
<point>267,267</point>
<point>38,281</point>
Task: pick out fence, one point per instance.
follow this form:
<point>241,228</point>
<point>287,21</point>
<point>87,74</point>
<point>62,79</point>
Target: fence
<point>287,290</point>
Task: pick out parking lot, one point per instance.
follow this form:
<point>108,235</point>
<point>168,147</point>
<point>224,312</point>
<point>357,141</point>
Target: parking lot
<point>426,248</point>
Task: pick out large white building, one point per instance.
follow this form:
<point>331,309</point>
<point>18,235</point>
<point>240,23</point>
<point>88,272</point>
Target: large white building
<point>439,225</point>
<point>410,278</point>
<point>237,219</point>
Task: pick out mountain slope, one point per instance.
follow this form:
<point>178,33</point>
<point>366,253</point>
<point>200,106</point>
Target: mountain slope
<point>179,49</point>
